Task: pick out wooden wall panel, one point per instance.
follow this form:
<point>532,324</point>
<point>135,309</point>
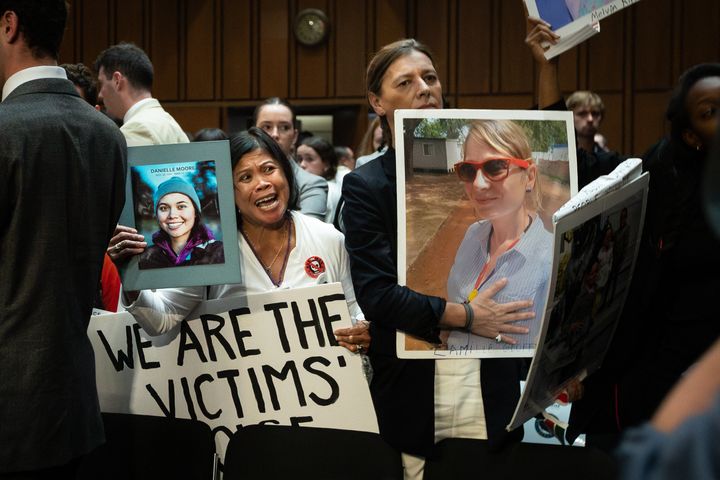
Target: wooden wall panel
<point>95,35</point>
<point>70,44</point>
<point>520,102</point>
<point>350,37</point>
<point>653,45</point>
<point>200,50</point>
<point>237,59</point>
<point>606,55</point>
<point>215,55</point>
<point>192,119</point>
<point>312,62</point>
<point>390,21</point>
<point>474,47</point>
<point>516,73</point>
<point>648,120</point>
<point>274,52</point>
<point>705,46</point>
<point>164,48</point>
<point>568,70</point>
<point>433,31</point>
<point>612,123</point>
<point>130,22</point>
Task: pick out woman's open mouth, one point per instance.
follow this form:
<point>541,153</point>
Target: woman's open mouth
<point>267,203</point>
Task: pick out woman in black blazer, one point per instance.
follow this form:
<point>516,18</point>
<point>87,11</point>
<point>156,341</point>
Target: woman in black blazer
<point>402,75</point>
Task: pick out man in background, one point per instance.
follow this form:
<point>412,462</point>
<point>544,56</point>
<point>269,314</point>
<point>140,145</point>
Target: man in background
<point>125,78</point>
<point>593,160</point>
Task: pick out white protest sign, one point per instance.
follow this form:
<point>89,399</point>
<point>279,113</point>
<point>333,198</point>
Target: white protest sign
<point>270,358</point>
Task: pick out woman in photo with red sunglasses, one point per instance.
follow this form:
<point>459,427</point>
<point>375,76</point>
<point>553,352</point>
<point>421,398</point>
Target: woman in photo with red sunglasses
<point>509,240</point>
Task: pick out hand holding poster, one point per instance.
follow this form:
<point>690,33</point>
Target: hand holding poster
<point>573,20</point>
<point>267,358</point>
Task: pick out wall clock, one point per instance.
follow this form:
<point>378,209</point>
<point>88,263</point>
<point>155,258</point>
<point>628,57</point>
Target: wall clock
<point>311,27</point>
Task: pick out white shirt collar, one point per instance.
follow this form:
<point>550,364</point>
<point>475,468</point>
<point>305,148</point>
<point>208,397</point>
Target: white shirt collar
<point>31,73</point>
<point>132,110</point>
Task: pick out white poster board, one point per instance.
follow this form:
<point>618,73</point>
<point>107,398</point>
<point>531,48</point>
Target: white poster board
<point>270,358</point>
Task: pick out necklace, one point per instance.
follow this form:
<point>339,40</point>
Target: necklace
<point>285,244</point>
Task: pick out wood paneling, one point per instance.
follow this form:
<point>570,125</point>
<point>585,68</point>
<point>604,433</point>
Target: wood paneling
<point>433,31</point>
<point>519,102</point>
<point>274,51</point>
<point>516,72</point>
<point>568,70</point>
<point>705,46</point>
<point>192,119</point>
<point>95,36</point>
<point>130,22</point>
<point>69,47</point>
<point>200,50</point>
<point>210,55</point>
<point>350,35</point>
<point>474,47</point>
<point>604,50</point>
<point>612,122</point>
<point>164,48</point>
<point>237,59</point>
<point>648,124</point>
<point>653,67</point>
<point>390,21</point>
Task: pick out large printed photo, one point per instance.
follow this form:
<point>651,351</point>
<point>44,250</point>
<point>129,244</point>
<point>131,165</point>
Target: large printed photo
<point>180,199</point>
<point>476,194</point>
<point>176,210</point>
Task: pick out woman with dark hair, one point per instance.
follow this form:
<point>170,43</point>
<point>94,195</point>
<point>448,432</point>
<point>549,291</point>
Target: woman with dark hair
<point>182,238</point>
<point>280,247</point>
<point>406,393</point>
<point>317,156</point>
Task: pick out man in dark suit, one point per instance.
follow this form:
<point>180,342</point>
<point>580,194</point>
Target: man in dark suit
<point>62,171</point>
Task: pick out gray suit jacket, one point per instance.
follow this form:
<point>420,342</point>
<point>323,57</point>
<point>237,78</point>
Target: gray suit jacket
<point>62,175</point>
<point>312,192</point>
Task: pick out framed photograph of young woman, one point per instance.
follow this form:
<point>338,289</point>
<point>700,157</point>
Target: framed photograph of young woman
<point>476,194</point>
<point>180,198</point>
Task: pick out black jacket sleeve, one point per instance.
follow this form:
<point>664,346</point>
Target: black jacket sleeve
<point>370,224</point>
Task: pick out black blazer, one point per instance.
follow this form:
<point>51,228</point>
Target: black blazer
<point>403,390</point>
<point>62,177</point>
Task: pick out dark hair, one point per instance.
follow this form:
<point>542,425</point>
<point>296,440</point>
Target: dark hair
<point>379,64</point>
<point>131,61</point>
<point>82,77</point>
<point>676,112</point>
<point>342,152</point>
<point>256,139</point>
<point>326,152</point>
<point>41,22</point>
<point>209,135</point>
<point>274,101</point>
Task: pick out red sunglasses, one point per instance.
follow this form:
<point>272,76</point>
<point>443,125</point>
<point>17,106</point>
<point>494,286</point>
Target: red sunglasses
<point>494,169</point>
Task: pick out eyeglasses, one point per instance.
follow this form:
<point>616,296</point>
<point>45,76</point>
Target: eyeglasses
<point>494,169</point>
